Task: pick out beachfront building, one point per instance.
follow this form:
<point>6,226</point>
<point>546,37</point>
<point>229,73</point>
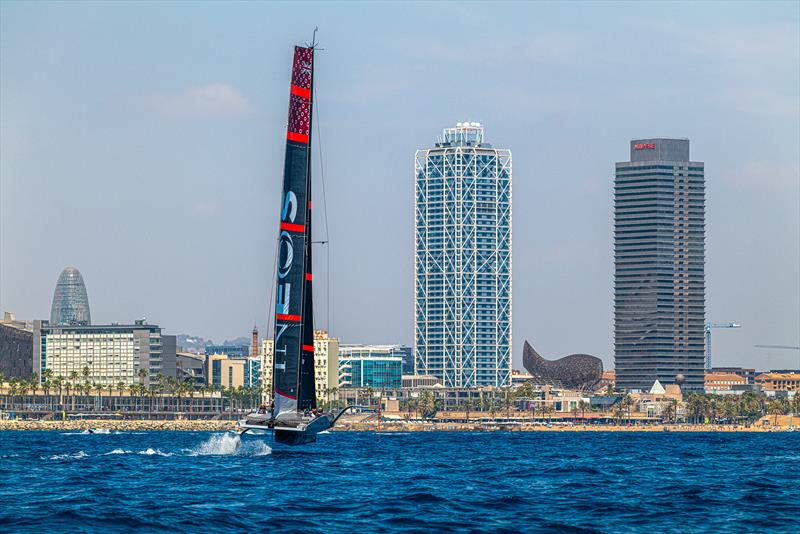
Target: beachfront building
<point>190,368</point>
<point>659,259</point>
<point>360,368</point>
<point>779,381</point>
<point>462,282</point>
<point>16,348</point>
<point>103,354</point>
<point>326,366</point>
<point>723,382</point>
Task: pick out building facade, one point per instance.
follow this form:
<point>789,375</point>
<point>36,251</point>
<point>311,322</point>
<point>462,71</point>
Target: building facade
<point>70,301</point>
<point>110,353</point>
<point>16,348</point>
<point>326,367</point>
<point>716,382</point>
<point>462,283</point>
<point>364,371</point>
<point>779,381</point>
<point>225,371</point>
<point>659,259</point>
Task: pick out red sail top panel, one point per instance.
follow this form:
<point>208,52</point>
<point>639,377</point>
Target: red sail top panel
<point>300,95</point>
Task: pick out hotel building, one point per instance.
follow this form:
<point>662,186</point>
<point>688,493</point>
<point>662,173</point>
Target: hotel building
<point>111,353</point>
<point>462,282</point>
<point>659,259</point>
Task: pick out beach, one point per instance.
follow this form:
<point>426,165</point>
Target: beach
<point>356,423</point>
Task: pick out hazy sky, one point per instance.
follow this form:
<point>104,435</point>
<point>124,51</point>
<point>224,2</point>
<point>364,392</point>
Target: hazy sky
<point>143,143</point>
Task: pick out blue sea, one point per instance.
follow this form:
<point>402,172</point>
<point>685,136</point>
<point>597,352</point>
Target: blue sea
<point>400,482</point>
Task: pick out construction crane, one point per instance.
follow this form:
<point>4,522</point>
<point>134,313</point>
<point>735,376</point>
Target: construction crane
<point>784,347</point>
<point>709,326</point>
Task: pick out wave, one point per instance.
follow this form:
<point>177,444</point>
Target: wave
<point>154,452</point>
<point>68,456</point>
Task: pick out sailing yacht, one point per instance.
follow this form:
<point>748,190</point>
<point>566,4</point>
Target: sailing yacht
<point>294,417</point>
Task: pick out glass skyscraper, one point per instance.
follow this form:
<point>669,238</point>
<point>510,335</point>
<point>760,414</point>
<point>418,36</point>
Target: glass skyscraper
<point>70,302</point>
<point>659,258</point>
<point>462,283</point>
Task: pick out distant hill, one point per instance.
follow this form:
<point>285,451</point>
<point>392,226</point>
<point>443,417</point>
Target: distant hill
<point>197,344</point>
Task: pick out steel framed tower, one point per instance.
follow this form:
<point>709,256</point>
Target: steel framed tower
<point>462,283</point>
<point>659,266</point>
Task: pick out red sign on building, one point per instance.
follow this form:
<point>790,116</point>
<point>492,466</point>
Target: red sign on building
<point>644,146</point>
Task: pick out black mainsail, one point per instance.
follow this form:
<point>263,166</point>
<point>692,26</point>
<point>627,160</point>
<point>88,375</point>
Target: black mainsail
<point>294,418</point>
<point>293,360</point>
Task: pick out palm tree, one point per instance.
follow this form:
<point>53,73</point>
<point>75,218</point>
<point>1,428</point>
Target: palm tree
<point>427,402</point>
<point>776,408</point>
<point>508,400</point>
<point>73,376</point>
<point>58,382</point>
<point>22,388</point>
<point>583,406</point>
<point>468,405</point>
<point>669,411</point>
<point>98,387</point>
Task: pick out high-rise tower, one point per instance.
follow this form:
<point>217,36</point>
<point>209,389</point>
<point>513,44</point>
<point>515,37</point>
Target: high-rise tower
<point>659,278</point>
<point>462,284</point>
<point>70,303</point>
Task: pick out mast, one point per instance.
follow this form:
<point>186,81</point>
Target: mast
<point>293,361</point>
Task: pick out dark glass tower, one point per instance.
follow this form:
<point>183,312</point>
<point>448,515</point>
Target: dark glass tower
<point>659,259</point>
<point>70,303</point>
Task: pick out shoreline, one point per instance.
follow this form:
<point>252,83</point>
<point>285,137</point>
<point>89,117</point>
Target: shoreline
<point>357,426</point>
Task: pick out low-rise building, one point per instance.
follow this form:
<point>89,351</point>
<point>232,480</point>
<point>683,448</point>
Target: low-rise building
<point>717,382</point>
<point>520,377</point>
<point>774,382</point>
<point>108,353</point>
<point>234,372</point>
<point>190,367</point>
<point>420,381</point>
<point>366,369</point>
<point>748,374</point>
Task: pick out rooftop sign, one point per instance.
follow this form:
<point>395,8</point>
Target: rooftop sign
<point>644,146</point>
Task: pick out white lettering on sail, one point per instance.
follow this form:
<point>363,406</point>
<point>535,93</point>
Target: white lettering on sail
<point>285,249</point>
<point>284,290</point>
<point>289,203</point>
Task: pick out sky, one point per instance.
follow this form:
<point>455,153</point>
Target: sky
<point>143,144</point>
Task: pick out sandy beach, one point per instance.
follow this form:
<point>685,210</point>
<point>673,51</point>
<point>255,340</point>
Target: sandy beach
<point>356,423</point>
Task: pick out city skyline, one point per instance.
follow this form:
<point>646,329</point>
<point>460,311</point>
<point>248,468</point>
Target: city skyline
<point>166,167</point>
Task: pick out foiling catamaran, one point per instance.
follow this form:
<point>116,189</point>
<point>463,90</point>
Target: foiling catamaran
<point>294,418</point>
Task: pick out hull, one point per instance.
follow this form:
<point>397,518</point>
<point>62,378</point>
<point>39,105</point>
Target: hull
<point>301,433</point>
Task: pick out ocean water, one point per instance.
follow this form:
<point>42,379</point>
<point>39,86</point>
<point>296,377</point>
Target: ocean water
<point>350,482</point>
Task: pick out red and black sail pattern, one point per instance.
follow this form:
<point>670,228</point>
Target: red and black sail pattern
<point>293,362</point>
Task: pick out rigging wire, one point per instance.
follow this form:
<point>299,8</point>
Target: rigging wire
<point>327,240</point>
<point>270,307</point>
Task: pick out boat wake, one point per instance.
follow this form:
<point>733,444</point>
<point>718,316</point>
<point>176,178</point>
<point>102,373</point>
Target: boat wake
<point>230,444</point>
